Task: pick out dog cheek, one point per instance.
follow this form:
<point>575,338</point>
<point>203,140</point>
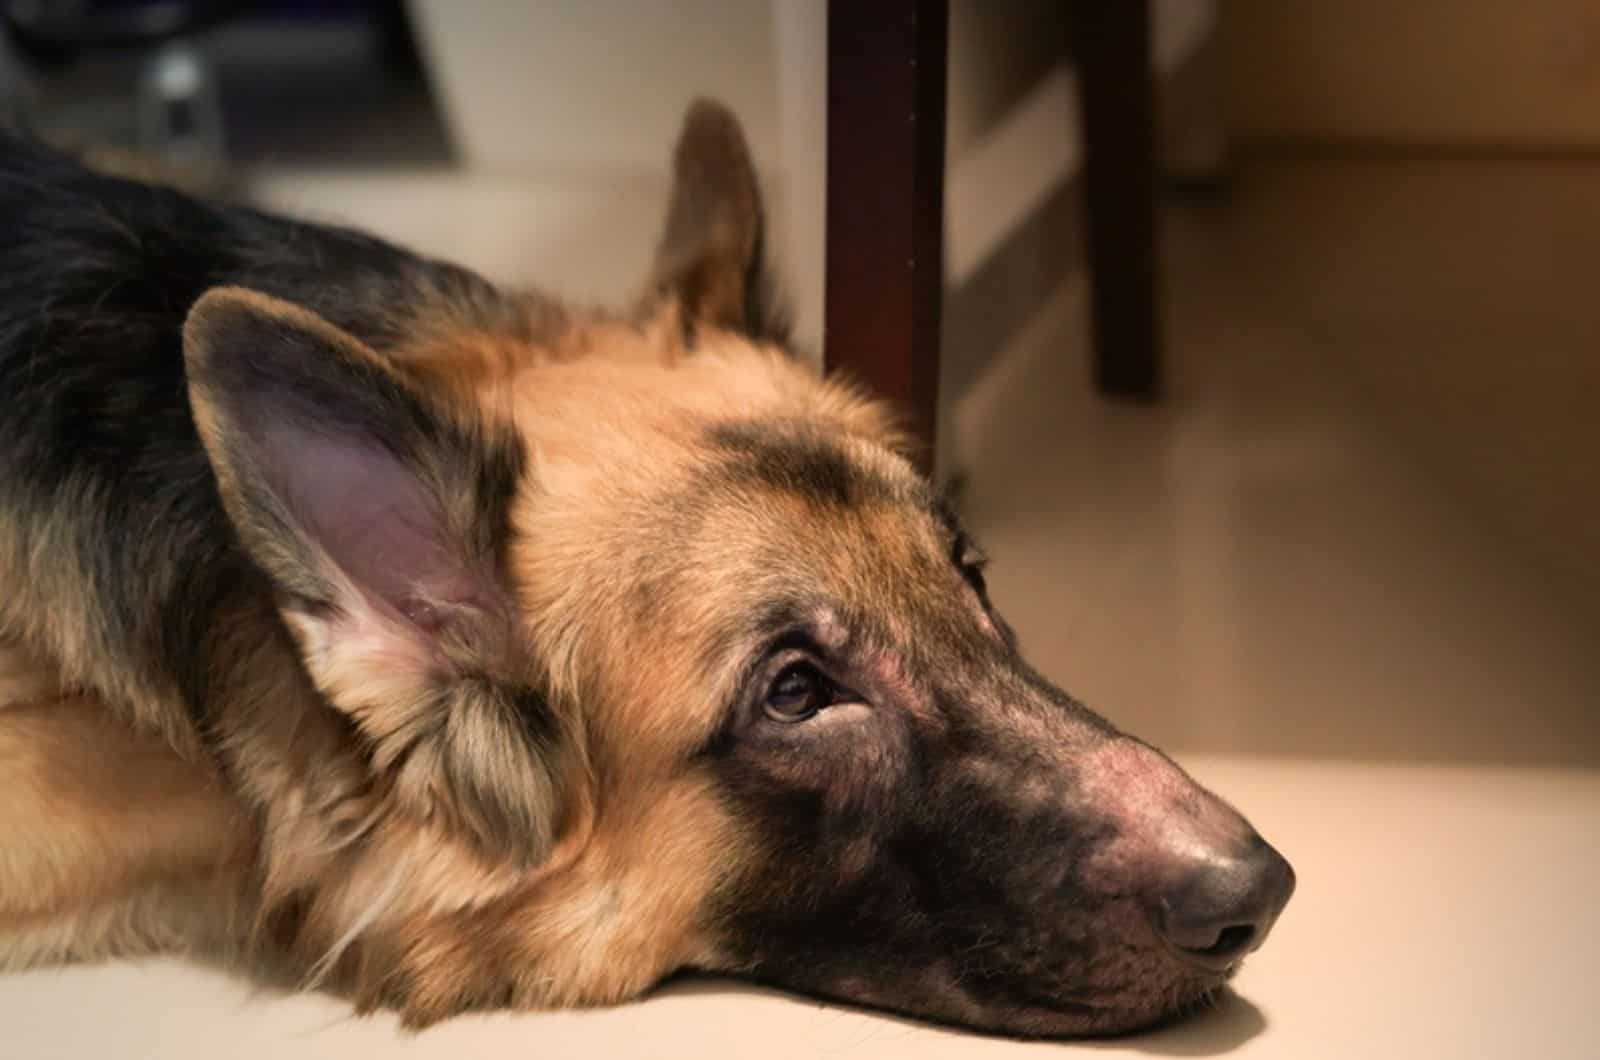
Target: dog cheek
<point>848,759</point>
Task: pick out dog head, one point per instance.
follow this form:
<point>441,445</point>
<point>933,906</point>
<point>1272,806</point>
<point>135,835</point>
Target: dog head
<point>672,637</point>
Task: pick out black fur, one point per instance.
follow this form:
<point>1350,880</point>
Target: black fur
<point>101,471</point>
<point>801,462</point>
<point>947,890</point>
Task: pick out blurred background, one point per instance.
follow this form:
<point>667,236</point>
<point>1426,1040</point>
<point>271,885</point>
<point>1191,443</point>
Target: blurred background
<point>1363,521</point>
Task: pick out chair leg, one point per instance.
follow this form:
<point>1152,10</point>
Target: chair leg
<point>885,210</point>
<point>1112,44</point>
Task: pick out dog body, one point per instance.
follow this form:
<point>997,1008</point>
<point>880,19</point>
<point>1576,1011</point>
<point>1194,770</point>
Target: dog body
<point>123,572</point>
<point>454,648</point>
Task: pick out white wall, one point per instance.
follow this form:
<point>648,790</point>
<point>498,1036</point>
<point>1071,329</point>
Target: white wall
<point>583,98</point>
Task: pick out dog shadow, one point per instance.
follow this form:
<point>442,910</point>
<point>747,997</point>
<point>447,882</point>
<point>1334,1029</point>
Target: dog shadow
<point>1221,1026</point>
<point>1218,1027</point>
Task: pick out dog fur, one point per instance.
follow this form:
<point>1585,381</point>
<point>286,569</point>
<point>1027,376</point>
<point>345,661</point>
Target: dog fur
<point>360,616</point>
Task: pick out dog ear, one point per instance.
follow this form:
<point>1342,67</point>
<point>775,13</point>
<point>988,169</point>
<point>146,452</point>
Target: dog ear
<point>381,520</point>
<point>710,258</point>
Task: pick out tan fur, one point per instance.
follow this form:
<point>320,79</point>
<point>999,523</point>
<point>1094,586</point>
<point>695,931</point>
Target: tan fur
<point>615,431</point>
<point>358,860</point>
<point>626,912</point>
<point>103,827</point>
<point>40,605</point>
<point>616,425</point>
<point>397,907</point>
<point>24,677</point>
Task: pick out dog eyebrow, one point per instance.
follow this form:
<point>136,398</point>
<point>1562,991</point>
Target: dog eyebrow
<point>799,462</point>
<point>792,622</point>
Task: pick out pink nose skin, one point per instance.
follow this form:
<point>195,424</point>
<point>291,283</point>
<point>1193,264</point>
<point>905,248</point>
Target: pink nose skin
<point>1212,887</point>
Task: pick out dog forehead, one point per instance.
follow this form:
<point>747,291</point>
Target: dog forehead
<point>674,507</point>
<point>856,561</point>
<point>797,501</point>
<point>810,462</point>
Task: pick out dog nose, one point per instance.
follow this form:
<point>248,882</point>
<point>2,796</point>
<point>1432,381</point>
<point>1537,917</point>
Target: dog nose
<point>1223,907</point>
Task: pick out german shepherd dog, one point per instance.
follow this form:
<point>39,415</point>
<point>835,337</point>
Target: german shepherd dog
<point>451,648</point>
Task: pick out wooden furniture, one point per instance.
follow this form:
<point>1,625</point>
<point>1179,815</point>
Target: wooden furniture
<point>885,209</point>
<point>885,213</point>
<point>1111,46</point>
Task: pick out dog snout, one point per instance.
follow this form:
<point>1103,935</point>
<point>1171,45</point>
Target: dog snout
<point>1223,902</point>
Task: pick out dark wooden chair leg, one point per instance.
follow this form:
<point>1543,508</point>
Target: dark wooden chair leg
<point>885,212</point>
<point>1117,99</point>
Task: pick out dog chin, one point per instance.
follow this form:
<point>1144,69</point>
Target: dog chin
<point>1146,1008</point>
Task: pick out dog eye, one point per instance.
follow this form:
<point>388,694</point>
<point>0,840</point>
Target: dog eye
<point>971,561</point>
<point>797,693</point>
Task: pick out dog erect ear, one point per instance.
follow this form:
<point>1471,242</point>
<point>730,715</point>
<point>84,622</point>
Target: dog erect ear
<point>381,520</point>
<point>710,256</point>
